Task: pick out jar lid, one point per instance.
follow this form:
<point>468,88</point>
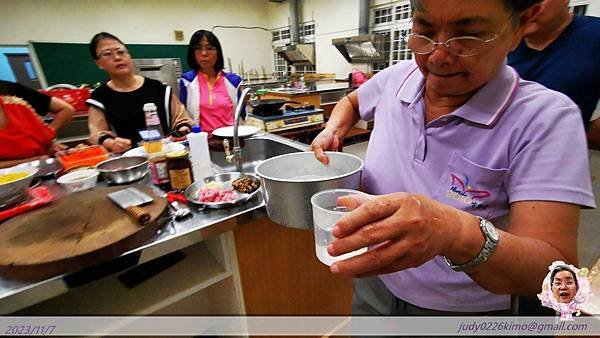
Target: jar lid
<point>177,154</point>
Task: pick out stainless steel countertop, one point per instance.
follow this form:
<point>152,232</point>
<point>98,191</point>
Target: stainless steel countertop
<point>174,235</point>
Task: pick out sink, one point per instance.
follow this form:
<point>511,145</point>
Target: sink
<point>254,152</point>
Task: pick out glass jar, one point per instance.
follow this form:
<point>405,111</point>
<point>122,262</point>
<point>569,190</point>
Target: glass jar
<point>179,167</point>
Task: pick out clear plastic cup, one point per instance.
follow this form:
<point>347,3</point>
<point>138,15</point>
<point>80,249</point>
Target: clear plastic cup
<point>325,214</point>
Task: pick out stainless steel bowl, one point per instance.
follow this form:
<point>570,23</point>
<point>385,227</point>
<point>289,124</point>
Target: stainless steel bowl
<point>123,169</point>
<point>288,182</point>
<point>14,192</point>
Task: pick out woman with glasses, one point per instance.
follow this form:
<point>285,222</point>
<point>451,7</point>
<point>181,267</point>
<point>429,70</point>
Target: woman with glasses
<point>209,93</point>
<point>475,190</point>
<point>116,108</point>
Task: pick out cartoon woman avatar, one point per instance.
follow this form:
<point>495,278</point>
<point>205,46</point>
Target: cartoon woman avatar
<point>564,290</point>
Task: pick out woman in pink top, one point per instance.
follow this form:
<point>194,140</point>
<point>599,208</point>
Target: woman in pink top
<point>209,93</point>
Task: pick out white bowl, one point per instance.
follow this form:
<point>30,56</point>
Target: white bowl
<point>79,180</point>
<point>15,191</point>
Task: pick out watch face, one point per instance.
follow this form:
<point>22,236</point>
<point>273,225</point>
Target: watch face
<point>492,232</point>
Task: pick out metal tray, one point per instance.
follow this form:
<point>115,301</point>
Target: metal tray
<point>192,191</point>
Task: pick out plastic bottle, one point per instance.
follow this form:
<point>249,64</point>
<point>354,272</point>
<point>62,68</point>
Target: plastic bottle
<point>199,153</point>
<point>152,119</point>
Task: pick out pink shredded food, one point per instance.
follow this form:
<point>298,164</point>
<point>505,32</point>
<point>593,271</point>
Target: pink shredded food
<point>207,195</point>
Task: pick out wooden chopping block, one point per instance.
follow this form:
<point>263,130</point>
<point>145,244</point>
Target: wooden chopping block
<point>77,231</point>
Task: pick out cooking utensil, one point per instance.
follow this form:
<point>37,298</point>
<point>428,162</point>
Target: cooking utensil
<point>71,233</point>
<point>123,169</point>
<point>39,196</point>
<point>178,210</point>
<point>14,192</point>
<point>224,180</point>
<point>288,182</point>
<point>129,199</point>
<point>46,168</point>
<point>267,107</point>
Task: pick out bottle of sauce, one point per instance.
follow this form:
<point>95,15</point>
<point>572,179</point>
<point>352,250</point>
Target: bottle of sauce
<point>180,169</point>
<point>152,119</point>
<point>157,164</point>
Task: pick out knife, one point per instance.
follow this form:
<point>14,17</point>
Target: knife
<point>130,199</point>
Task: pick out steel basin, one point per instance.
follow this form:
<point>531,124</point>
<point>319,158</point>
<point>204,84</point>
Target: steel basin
<point>288,181</point>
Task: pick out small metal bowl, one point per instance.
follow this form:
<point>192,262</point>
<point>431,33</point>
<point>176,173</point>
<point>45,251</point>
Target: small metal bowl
<point>123,169</point>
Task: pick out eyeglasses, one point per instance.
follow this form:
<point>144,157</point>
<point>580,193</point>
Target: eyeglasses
<point>568,283</point>
<point>207,49</point>
<point>459,46</point>
<point>108,53</point>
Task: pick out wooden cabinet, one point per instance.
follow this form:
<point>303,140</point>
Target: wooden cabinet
<point>280,274</point>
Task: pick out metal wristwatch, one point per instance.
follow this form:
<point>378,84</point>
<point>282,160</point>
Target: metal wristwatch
<point>491,236</point>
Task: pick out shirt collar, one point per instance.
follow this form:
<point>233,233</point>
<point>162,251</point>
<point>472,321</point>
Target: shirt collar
<point>485,107</point>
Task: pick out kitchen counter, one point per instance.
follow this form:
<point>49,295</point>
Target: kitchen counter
<point>321,95</point>
<point>317,88</point>
<point>203,224</point>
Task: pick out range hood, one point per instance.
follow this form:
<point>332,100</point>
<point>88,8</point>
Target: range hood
<point>298,54</point>
<point>361,48</point>
<point>365,47</point>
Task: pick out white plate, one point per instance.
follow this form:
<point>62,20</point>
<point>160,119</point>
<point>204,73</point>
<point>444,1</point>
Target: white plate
<point>140,151</point>
<point>243,131</point>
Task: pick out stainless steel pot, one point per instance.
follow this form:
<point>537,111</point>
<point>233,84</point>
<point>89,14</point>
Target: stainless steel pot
<point>123,169</point>
<point>288,182</point>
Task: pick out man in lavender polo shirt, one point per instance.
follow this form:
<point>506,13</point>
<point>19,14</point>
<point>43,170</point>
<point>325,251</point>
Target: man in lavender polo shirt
<point>457,135</point>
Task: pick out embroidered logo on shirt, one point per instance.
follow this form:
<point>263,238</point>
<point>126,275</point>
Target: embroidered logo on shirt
<point>463,192</point>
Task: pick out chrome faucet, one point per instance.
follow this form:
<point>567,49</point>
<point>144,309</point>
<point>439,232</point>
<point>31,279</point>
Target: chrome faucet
<point>235,156</point>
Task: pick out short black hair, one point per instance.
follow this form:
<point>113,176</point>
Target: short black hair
<point>517,6</point>
<point>563,268</point>
<point>514,6</point>
<point>96,40</point>
<point>195,41</point>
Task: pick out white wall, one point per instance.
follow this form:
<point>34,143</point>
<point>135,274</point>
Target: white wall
<point>136,21</point>
<point>333,18</point>
<point>594,8</point>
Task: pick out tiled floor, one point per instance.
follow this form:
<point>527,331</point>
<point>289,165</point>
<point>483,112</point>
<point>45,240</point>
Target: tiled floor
<point>589,225</point>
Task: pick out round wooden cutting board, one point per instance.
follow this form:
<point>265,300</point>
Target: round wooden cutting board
<point>77,231</point>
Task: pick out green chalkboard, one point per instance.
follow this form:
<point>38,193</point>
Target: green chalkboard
<point>72,63</point>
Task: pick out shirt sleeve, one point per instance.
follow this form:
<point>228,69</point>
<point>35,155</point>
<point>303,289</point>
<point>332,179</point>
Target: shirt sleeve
<point>369,93</point>
<point>551,160</point>
<point>96,99</point>
<point>39,101</point>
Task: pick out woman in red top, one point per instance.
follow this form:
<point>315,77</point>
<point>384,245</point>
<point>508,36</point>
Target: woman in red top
<point>24,136</point>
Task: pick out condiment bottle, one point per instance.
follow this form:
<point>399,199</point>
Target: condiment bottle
<point>158,170</point>
<point>180,169</point>
<point>152,118</point>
